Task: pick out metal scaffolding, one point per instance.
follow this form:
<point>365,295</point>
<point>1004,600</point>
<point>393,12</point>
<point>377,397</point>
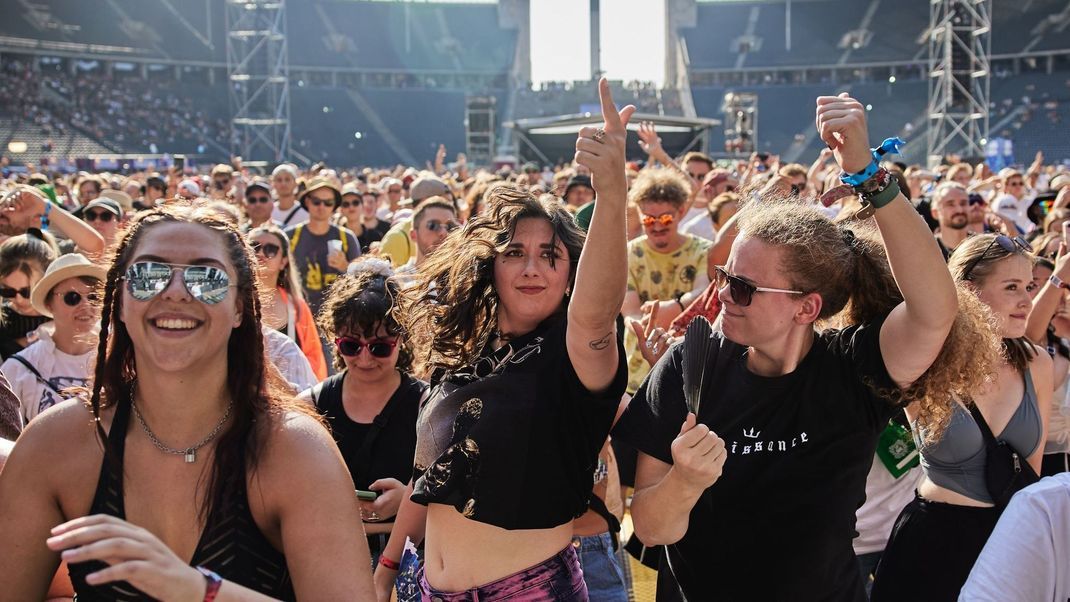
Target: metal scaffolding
<point>960,42</point>
<point>258,77</point>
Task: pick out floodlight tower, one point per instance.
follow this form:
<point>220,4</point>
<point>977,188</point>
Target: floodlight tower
<point>258,77</point>
<point>960,48</point>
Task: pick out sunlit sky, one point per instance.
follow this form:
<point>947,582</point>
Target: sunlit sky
<point>632,37</point>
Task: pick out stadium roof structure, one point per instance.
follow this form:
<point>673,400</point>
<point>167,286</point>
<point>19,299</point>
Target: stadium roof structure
<point>551,139</point>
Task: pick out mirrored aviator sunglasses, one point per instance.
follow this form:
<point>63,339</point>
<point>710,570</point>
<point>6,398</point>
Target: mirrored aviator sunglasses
<point>207,284</point>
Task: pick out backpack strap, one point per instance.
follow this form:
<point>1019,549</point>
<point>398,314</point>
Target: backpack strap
<point>296,237</point>
<point>44,381</point>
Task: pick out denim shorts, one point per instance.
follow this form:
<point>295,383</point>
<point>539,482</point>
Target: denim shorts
<point>602,571</point>
<point>557,579</point>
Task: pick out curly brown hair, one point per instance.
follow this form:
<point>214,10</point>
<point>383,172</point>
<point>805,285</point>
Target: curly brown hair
<point>847,266</point>
<point>660,185</point>
<point>359,304</point>
<point>260,398</point>
<point>452,308</point>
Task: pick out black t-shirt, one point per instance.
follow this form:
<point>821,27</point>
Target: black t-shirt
<point>14,325</point>
<point>513,440</point>
<point>370,235</point>
<point>390,455</point>
<point>778,524</point>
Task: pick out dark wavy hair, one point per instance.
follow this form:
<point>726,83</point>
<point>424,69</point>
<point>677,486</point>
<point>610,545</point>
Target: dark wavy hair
<point>452,308</point>
<point>255,390</point>
<point>360,304</point>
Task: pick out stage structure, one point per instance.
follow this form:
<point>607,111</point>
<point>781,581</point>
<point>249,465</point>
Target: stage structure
<point>741,122</point>
<point>258,75</point>
<point>960,46</point>
<point>548,140</point>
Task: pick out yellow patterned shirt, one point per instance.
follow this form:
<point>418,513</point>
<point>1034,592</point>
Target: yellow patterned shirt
<point>661,276</point>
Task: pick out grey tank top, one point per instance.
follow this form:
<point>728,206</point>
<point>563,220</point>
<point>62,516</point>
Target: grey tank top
<point>957,461</point>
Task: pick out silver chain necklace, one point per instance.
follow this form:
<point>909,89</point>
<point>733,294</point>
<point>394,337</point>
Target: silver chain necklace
<point>190,453</point>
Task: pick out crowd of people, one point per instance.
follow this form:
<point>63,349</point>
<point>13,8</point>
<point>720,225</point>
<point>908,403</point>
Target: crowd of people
<point>836,381</point>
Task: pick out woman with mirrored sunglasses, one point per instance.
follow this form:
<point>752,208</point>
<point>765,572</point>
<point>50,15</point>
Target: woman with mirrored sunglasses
<point>284,307</point>
<point>939,535</point>
<point>23,261</point>
<point>372,402</point>
<point>767,454</point>
<point>187,470</point>
<point>62,356</point>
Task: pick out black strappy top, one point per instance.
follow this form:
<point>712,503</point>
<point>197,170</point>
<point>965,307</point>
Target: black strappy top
<point>231,544</point>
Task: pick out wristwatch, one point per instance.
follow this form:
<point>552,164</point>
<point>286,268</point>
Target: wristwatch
<point>1058,282</point>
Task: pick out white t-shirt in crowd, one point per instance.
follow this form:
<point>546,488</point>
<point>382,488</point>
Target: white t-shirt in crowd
<point>698,222</point>
<point>1009,207</point>
<point>886,496</point>
<point>284,353</point>
<point>281,215</point>
<point>60,369</point>
<point>1027,557</point>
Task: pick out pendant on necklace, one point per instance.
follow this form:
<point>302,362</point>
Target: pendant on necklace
<point>191,456</point>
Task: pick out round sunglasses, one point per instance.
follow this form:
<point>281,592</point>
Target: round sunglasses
<point>205,283</point>
<point>74,298</point>
<point>351,347</point>
<point>741,291</point>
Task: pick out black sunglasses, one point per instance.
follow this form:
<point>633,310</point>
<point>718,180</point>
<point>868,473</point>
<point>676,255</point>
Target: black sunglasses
<point>350,347</point>
<point>269,250</point>
<point>252,200</point>
<point>741,291</point>
<point>7,292</point>
<point>104,216</point>
<point>317,202</point>
<point>74,298</point>
<point>1006,243</point>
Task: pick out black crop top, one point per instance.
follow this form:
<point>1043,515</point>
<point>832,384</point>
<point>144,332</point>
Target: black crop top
<point>390,454</point>
<point>230,545</point>
<point>513,440</point>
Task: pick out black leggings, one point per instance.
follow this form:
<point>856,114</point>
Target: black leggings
<point>931,550</point>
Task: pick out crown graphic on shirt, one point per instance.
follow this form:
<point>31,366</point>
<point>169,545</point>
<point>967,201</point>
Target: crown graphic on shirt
<point>752,433</point>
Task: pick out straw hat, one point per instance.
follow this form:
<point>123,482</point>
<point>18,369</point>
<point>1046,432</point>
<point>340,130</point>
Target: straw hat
<point>72,265</point>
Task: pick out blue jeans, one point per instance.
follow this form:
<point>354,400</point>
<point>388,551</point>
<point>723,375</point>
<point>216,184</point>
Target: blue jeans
<point>602,568</point>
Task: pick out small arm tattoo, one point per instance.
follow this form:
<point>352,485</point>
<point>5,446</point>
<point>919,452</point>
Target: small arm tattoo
<point>602,343</point>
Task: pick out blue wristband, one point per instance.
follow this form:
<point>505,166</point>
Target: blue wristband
<point>44,216</point>
<point>889,146</point>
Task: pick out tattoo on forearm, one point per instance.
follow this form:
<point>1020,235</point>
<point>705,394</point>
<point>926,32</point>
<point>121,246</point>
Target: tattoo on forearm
<point>601,343</point>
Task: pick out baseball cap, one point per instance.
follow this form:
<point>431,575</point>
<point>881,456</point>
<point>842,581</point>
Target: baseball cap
<point>260,183</point>
<point>105,203</point>
<point>578,181</point>
<point>427,187</point>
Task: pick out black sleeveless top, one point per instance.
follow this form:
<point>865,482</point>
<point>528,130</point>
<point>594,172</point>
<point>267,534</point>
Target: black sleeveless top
<point>380,450</point>
<point>231,544</point>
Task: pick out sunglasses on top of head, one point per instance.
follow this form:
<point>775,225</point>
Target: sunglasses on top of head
<point>741,291</point>
<point>205,283</point>
<point>7,292</point>
<point>102,216</point>
<point>352,347</point>
<point>268,249</point>
<point>665,219</point>
<point>1008,244</point>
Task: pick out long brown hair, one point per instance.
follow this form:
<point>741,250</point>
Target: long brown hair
<point>847,266</point>
<point>256,397</point>
<point>451,310</point>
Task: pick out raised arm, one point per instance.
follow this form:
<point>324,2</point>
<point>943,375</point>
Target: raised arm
<point>602,273</point>
<point>31,202</point>
<point>915,331</point>
<point>1047,301</point>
